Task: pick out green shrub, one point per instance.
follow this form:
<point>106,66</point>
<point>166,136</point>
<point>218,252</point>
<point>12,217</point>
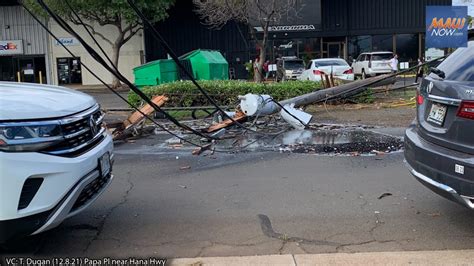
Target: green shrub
<point>224,92</point>
<point>365,97</point>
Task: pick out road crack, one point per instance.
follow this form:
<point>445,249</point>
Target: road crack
<point>267,229</point>
<point>101,224</point>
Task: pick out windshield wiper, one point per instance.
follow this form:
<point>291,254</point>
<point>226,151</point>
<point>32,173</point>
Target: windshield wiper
<point>438,72</point>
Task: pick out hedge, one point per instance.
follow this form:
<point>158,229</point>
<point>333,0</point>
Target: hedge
<point>224,92</point>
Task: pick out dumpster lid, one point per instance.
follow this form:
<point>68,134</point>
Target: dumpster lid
<point>211,56</point>
<point>154,62</point>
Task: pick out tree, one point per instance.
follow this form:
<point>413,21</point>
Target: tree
<point>264,13</point>
<point>116,13</point>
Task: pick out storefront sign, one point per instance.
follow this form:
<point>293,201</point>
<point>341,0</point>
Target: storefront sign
<point>11,47</point>
<point>67,42</point>
<point>446,26</point>
<point>304,16</point>
<point>287,28</point>
<point>433,53</point>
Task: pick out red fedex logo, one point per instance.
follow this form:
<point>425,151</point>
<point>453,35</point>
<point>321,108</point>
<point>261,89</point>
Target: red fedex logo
<point>448,27</point>
<point>8,46</point>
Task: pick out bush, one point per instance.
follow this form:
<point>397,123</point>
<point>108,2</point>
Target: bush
<point>365,97</point>
<point>224,92</point>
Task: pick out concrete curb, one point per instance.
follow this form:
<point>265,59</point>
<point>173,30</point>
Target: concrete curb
<point>443,257</point>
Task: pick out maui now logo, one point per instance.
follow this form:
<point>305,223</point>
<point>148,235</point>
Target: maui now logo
<point>8,46</point>
<point>448,27</point>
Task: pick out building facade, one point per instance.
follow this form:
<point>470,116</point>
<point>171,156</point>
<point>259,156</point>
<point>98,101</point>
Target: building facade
<point>347,28</point>
<point>24,47</point>
<point>68,70</point>
<point>29,54</point>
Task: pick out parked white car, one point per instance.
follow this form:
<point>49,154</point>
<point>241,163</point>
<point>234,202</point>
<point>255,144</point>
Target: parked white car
<point>372,64</point>
<point>55,157</point>
<point>339,68</point>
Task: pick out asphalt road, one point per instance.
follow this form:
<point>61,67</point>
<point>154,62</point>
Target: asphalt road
<point>257,203</point>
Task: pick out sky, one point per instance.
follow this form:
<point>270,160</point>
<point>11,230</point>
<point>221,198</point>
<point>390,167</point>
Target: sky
<point>469,3</point>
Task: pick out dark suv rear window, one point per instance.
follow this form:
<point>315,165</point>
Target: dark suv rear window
<point>459,65</point>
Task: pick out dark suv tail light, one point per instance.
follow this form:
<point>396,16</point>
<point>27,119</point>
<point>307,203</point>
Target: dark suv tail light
<point>349,71</point>
<point>419,98</point>
<point>466,110</point>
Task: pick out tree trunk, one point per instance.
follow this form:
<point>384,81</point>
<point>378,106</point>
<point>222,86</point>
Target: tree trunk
<point>115,56</point>
<point>263,54</point>
<point>115,60</point>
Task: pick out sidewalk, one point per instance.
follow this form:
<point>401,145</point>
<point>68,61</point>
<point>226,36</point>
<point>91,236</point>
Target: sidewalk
<point>443,257</point>
<point>95,88</point>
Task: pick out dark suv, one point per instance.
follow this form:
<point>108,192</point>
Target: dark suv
<point>439,146</point>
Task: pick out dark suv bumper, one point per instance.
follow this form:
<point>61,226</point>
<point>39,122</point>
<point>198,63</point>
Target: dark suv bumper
<point>434,167</point>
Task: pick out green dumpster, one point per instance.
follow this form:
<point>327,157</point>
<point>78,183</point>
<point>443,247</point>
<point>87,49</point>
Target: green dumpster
<point>155,73</point>
<point>207,64</point>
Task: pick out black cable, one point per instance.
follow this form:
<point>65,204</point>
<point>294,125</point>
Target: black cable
<point>100,60</point>
<point>107,85</point>
<point>90,34</point>
<point>125,100</point>
<point>377,81</point>
<point>170,51</point>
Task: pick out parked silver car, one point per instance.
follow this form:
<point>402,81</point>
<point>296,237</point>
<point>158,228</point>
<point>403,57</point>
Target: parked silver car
<point>289,68</point>
<point>439,146</point>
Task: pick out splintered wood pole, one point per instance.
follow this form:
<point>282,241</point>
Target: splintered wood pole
<point>339,92</point>
<point>136,118</point>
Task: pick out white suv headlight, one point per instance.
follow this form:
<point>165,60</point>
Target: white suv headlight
<point>29,136</point>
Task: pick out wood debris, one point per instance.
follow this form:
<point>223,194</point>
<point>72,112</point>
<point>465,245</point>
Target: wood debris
<point>131,125</point>
<point>239,117</point>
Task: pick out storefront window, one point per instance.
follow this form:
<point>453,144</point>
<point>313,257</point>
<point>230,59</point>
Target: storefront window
<point>382,43</point>
<point>358,45</point>
<point>285,47</point>
<point>407,47</point>
<point>309,49</point>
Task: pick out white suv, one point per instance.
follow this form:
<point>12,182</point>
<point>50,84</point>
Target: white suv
<point>372,64</point>
<point>55,157</point>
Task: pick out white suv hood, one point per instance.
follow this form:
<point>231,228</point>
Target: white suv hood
<point>21,101</point>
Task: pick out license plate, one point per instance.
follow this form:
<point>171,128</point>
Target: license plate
<point>437,113</point>
<point>104,164</point>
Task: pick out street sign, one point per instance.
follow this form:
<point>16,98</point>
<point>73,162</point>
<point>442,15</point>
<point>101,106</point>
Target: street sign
<point>66,41</point>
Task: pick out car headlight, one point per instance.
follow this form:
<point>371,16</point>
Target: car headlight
<point>23,137</point>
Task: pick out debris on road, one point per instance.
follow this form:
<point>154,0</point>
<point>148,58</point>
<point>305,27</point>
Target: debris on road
<point>136,120</point>
<point>174,140</point>
<point>200,150</point>
<point>239,117</point>
<point>269,128</point>
<point>386,194</point>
